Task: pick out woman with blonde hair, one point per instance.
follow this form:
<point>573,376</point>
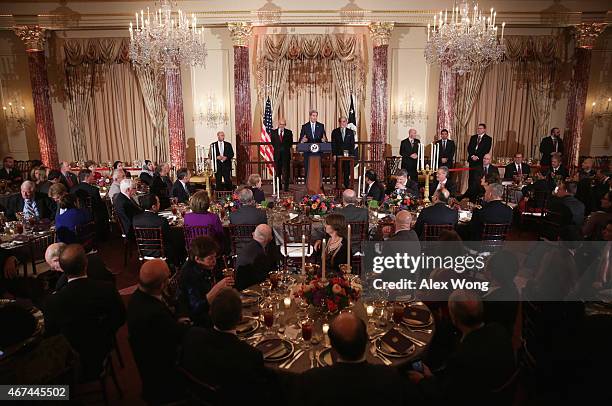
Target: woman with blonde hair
<point>254,184</point>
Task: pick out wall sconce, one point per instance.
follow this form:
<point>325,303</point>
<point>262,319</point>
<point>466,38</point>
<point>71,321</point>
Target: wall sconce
<point>16,115</point>
<point>213,114</point>
<point>409,112</point>
<point>601,110</point>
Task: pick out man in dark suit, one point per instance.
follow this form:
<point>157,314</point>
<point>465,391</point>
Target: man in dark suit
<point>247,213</point>
<point>96,269</point>
<point>125,206</point>
<point>437,214</point>
<point>87,312</point>
<point>89,198</point>
<point>482,363</point>
<point>565,205</point>
<point>181,189</point>
<point>222,154</point>
<point>150,219</point>
<point>69,179</point>
<point>517,168</point>
<point>30,203</point>
<point>403,231</point>
<point>402,184</point>
<point>343,140</point>
<point>552,144</point>
<point>374,190</point>
<point>282,142</point>
<point>256,258</point>
<point>352,213</point>
<point>369,383</point>
<point>479,145</point>
<point>155,334</point>
<point>487,167</point>
<point>447,150</point>
<point>442,181</point>
<point>312,131</point>
<point>494,211</point>
<point>219,358</point>
<point>556,171</point>
<point>601,186</point>
<point>9,172</point>
<point>409,151</point>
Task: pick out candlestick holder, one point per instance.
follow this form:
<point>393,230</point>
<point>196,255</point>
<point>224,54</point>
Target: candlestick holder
<point>207,172</point>
<point>426,172</point>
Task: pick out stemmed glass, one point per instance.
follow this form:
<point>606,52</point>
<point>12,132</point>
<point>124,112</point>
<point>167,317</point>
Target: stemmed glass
<point>268,316</point>
<point>398,313</point>
<point>306,324</point>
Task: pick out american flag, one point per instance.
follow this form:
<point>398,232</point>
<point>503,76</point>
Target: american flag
<point>267,151</point>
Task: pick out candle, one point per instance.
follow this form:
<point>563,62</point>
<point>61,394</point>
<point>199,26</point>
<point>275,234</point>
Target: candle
<point>434,26</point>
<point>287,302</point>
<point>370,310</point>
<point>428,27</point>
<point>363,179</point>
<point>359,186</point>
<point>278,188</point>
<point>503,26</point>
<point>324,248</point>
<point>137,22</point>
<point>303,254</point>
<point>325,328</point>
<point>348,251</point>
<point>273,181</point>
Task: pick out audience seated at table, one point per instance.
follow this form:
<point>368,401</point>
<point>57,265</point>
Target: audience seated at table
<point>443,181</point>
<point>120,165</point>
<point>516,168</point>
<point>557,171</point>
<point>87,193</point>
<point>29,202</point>
<point>501,300</point>
<point>68,178</point>
<point>217,357</point>
<point>93,167</point>
<point>147,173</point>
<point>87,312</point>
<point>597,221</point>
<point>536,193</point>
<point>256,258</point>
<point>437,214</point>
<point>362,383</point>
<point>374,189</point>
<point>200,216</point>
<point>403,231</point>
<point>96,269</point>
<point>125,206</point>
<point>9,172</point>
<point>482,363</point>
<point>247,213</point>
<point>69,219</point>
<point>254,183</point>
<point>115,189</point>
<point>336,245</point>
<point>150,219</point>
<point>161,186</point>
<point>200,280</point>
<point>402,184</point>
<point>601,186</point>
<point>53,177</point>
<point>180,189</point>
<point>493,211</point>
<point>475,191</point>
<point>155,334</point>
<point>349,209</point>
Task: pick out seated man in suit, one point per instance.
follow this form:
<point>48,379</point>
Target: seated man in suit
<point>352,213</point>
<point>570,211</point>
<point>125,206</point>
<point>442,181</point>
<point>181,187</point>
<point>150,219</point>
<point>9,172</point>
<point>155,334</point>
<point>30,203</point>
<point>219,358</point>
<point>517,168</point>
<point>69,179</point>
<point>403,231</point>
<point>437,214</point>
<point>87,312</point>
<point>374,190</point>
<point>369,383</point>
<point>494,211</point>
<point>96,269</point>
<point>89,197</point>
<point>482,363</point>
<point>402,184</point>
<point>487,166</point>
<point>256,258</point>
<point>557,171</point>
<point>247,213</point>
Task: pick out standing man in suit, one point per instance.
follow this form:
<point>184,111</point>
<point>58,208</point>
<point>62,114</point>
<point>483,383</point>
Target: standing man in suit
<point>30,203</point>
<point>552,144</point>
<point>517,168</point>
<point>447,150</point>
<point>126,207</point>
<point>352,213</point>
<point>180,189</point>
<point>247,213</point>
<point>409,150</point>
<point>343,139</point>
<point>479,145</point>
<point>437,214</point>
<point>8,171</point>
<point>223,153</point>
<point>282,142</point>
<point>69,179</point>
<point>312,131</point>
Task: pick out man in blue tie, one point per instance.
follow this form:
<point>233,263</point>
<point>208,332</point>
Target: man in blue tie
<point>31,204</point>
<point>312,131</point>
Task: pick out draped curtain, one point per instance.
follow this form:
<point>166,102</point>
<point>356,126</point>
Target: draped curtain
<point>152,84</point>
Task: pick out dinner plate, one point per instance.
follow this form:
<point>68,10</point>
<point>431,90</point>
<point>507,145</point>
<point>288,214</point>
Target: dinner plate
<point>414,323</point>
<point>326,357</point>
<point>250,297</point>
<point>275,349</point>
<point>384,349</point>
<point>247,326</point>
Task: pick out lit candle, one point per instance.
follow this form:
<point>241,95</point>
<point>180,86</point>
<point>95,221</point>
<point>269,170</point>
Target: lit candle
<point>348,251</point>
<point>494,16</point>
<point>359,186</point>
<point>278,188</point>
<point>434,26</point>
<point>370,310</point>
<point>287,302</point>
<point>324,248</point>
<point>428,27</point>
<point>503,26</point>
<point>303,254</point>
<point>325,328</point>
<point>136,21</point>
<point>273,181</point>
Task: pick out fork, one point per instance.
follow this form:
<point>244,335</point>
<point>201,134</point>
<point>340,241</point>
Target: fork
<point>312,358</point>
<point>381,357</point>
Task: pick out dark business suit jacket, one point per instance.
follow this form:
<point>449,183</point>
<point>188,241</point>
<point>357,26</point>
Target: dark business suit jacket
<point>69,180</point>
<point>511,171</point>
<point>282,148</point>
<point>179,192</point>
<point>195,282</point>
<point>494,212</point>
<point>484,148</point>
<point>43,203</point>
<point>14,176</point>
<point>258,194</point>
<point>155,337</point>
<point>162,188</point>
<point>408,163</point>
<point>146,178</point>
<point>254,262</point>
<point>439,213</point>
<point>96,270</point>
<point>126,209</point>
<point>547,146</point>
<point>411,187</point>
<point>376,192</point>
<point>339,146</point>
<point>228,152</point>
<point>561,171</point>
<point>405,235</point>
<point>487,171</point>
<point>569,209</point>
<point>248,215</point>
<point>448,153</point>
<point>148,219</point>
<point>449,185</point>
<point>306,130</point>
<point>88,313</point>
<point>353,214</point>
<point>66,224</point>
<point>84,191</point>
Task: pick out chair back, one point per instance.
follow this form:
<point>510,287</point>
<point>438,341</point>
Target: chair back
<point>538,201</point>
<point>192,232</point>
<point>124,232</point>
<point>359,234</point>
<point>386,228</point>
<point>432,232</point>
<point>201,393</point>
<point>495,232</point>
<point>292,240</point>
<point>86,235</point>
<point>221,195</point>
<point>240,234</point>
<point>38,247</point>
<point>149,242</point>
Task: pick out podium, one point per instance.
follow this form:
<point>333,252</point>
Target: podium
<point>312,152</point>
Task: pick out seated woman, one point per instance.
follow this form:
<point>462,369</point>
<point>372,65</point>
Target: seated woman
<point>119,165</point>
<point>255,186</point>
<point>336,249</point>
<point>68,219</point>
<point>402,184</point>
<point>200,281</point>
<point>200,216</point>
<point>147,173</point>
<point>92,166</point>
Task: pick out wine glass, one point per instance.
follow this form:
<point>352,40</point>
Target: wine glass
<point>398,313</point>
<point>306,325</point>
<point>268,317</point>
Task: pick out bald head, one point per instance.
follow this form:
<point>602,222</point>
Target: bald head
<point>403,221</point>
<point>349,196</point>
<point>348,336</point>
<point>52,255</point>
<point>263,234</point>
<point>466,309</point>
<point>73,260</point>
<point>153,276</point>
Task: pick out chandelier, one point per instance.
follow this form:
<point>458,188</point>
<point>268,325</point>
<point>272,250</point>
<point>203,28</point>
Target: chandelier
<point>464,39</point>
<point>165,39</point>
<point>15,115</point>
<point>214,115</point>
<point>408,113</point>
<point>601,110</point>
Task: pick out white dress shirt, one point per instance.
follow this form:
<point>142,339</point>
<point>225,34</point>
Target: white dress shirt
<point>221,146</point>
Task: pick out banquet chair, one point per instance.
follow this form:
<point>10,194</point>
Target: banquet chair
<point>494,235</point>
<point>222,195</point>
<point>149,243</point>
<point>432,232</point>
<point>38,247</point>
<point>124,237</point>
<point>192,232</point>
<point>385,228</point>
<point>86,236</point>
<point>292,241</point>
<point>240,234</point>
<point>110,211</point>
<point>359,234</point>
<point>200,392</point>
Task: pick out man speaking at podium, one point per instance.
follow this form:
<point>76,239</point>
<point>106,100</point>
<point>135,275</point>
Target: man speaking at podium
<point>312,131</point>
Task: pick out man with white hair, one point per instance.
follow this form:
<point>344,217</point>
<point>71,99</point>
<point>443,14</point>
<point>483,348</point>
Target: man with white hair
<point>442,181</point>
<point>125,206</point>
<point>256,258</point>
<point>69,179</point>
<point>96,269</point>
<point>247,213</point>
<point>494,211</point>
<point>118,176</point>
<point>30,203</point>
<point>437,214</point>
<point>350,211</point>
<point>409,149</point>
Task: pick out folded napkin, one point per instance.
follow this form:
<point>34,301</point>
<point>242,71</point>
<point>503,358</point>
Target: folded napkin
<point>272,348</point>
<point>244,326</point>
<point>396,341</point>
<point>416,315</point>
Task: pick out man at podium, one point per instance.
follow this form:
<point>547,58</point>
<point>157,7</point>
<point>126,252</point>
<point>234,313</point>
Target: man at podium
<point>312,131</point>
<point>343,140</point>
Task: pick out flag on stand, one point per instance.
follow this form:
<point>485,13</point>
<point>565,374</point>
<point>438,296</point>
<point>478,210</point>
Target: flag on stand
<point>351,117</point>
<point>267,151</point>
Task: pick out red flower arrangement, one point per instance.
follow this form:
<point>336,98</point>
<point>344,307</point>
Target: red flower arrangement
<point>333,295</point>
<point>318,204</point>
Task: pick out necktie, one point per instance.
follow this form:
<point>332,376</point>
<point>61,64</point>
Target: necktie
<point>281,135</point>
<point>444,145</point>
<point>519,169</point>
<point>478,142</point>
<point>312,127</point>
<point>486,170</point>
<point>342,135</point>
<point>555,143</point>
<point>220,148</point>
<point>28,209</point>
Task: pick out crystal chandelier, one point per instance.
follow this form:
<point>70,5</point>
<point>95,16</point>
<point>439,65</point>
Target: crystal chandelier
<point>165,39</point>
<point>464,39</point>
<point>214,116</point>
<point>16,115</point>
<point>408,113</point>
<point>601,110</point>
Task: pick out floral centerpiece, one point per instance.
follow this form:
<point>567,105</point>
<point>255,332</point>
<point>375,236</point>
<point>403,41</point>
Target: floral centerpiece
<point>287,203</point>
<point>317,204</point>
<point>400,201</point>
<point>228,203</point>
<point>332,295</point>
<point>104,181</point>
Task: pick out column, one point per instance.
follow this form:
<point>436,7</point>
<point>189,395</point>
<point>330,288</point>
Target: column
<point>446,100</point>
<point>176,117</point>
<point>240,33</point>
<point>586,35</point>
<point>34,39</point>
<point>380,32</point>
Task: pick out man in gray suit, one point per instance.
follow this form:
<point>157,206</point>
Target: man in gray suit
<point>248,213</point>
<point>350,211</point>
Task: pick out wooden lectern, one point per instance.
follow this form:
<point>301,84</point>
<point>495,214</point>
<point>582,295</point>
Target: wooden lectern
<point>312,152</point>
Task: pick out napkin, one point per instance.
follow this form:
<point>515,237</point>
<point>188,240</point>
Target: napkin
<point>292,332</point>
<point>272,348</point>
<point>244,326</point>
<point>292,216</point>
<point>396,341</point>
<point>415,315</point>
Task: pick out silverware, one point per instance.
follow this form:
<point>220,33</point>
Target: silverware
<point>312,358</point>
<point>282,365</point>
<point>414,340</point>
<point>298,355</point>
<point>381,357</point>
